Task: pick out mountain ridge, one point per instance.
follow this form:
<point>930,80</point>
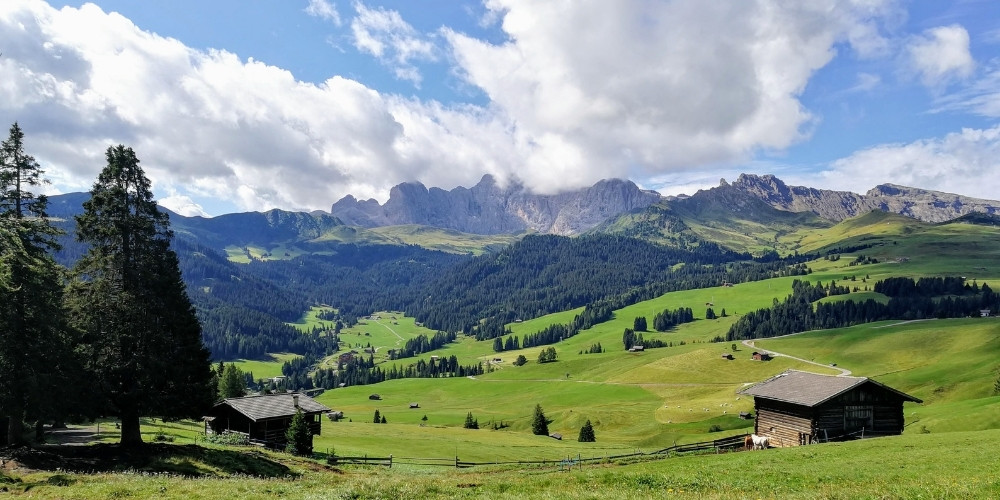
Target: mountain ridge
<point>488,208</point>
<point>922,204</point>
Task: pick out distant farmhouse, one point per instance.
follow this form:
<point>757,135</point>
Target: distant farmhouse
<point>797,408</point>
<point>263,418</point>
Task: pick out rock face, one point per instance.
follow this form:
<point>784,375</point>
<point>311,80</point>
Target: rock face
<point>922,204</point>
<point>486,208</point>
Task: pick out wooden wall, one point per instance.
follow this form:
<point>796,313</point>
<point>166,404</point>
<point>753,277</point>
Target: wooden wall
<point>789,424</point>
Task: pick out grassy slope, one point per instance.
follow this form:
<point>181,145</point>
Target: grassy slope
<point>952,465</point>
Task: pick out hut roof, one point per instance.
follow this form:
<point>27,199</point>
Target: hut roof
<point>811,389</point>
<point>272,405</point>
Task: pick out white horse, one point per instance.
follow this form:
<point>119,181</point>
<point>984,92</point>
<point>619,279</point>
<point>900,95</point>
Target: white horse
<point>760,442</point>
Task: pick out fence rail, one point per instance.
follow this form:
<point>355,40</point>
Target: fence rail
<point>718,446</point>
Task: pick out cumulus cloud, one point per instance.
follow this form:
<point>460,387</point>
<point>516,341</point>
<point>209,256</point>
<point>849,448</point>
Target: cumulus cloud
<point>323,10</point>
<point>941,55</point>
<point>596,88</point>
<point>963,162</point>
<point>579,91</point>
<point>385,35</point>
<point>183,205</point>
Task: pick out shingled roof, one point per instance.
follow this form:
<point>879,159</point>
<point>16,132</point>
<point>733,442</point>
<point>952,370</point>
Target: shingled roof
<point>811,389</point>
<point>272,405</point>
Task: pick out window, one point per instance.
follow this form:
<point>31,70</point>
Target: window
<point>856,417</point>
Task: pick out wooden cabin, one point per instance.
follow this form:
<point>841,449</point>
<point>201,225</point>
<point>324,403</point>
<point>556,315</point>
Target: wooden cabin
<point>797,408</point>
<point>264,418</point>
<point>760,356</point>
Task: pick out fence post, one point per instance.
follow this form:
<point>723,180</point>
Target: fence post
<point>390,460</point>
<point>456,461</point>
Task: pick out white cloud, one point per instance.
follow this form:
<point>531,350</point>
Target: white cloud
<point>385,35</point>
<point>582,91</point>
<point>596,89</point>
<point>183,205</point>
<point>941,55</point>
<point>963,162</point>
<point>323,10</point>
<point>981,97</point>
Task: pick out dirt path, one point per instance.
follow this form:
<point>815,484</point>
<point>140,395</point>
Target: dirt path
<point>80,435</point>
<point>749,343</point>
<point>387,327</point>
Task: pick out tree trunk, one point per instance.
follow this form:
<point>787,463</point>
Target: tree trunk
<point>39,431</point>
<point>131,435</point>
<point>15,426</point>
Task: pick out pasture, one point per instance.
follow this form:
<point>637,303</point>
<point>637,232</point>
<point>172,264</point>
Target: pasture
<point>946,465</point>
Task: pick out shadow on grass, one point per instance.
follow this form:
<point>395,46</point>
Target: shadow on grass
<point>186,460</point>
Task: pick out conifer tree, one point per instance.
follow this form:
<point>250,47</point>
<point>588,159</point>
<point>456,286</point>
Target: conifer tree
<point>298,437</point>
<point>36,359</point>
<point>587,433</point>
<point>539,424</point>
<point>142,340</point>
<point>470,422</point>
<point>378,417</point>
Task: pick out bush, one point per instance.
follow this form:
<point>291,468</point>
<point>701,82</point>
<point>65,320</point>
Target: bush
<point>715,428</point>
<point>229,439</point>
<point>521,360</point>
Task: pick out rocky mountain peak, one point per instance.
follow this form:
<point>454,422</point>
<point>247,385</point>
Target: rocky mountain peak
<point>486,208</point>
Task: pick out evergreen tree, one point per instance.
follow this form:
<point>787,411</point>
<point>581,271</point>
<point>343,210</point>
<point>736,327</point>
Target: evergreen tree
<point>710,313</point>
<point>233,383</point>
<point>298,436</point>
<point>639,324</point>
<point>587,433</point>
<point>142,341</point>
<point>539,424</point>
<point>384,421</point>
<point>470,422</point>
<point>378,417</point>
<point>36,359</point>
<point>521,360</point>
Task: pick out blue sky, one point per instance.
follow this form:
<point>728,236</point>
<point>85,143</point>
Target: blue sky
<point>257,104</point>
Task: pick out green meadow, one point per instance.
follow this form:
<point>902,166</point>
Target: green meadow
<point>641,401</point>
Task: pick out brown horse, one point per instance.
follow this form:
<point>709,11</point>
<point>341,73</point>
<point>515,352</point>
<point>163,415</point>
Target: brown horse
<point>748,443</point>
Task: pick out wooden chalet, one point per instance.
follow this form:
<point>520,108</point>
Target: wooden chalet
<point>264,418</point>
<point>797,408</point>
<point>760,356</point>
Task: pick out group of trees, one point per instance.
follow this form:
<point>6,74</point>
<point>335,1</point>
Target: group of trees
<point>668,319</point>
<point>542,274</point>
<point>948,297</point>
<point>362,371</point>
<point>547,355</point>
<point>421,344</point>
<point>117,335</point>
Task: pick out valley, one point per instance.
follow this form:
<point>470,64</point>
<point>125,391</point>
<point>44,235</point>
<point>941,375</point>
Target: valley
<point>331,298</point>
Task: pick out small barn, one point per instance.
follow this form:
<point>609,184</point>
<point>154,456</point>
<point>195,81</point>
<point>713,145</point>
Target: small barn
<point>797,408</point>
<point>375,397</point>
<point>727,356</point>
<point>760,356</point>
<point>264,418</point>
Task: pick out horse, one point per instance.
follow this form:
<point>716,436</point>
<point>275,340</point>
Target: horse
<point>748,443</point>
<point>759,442</point>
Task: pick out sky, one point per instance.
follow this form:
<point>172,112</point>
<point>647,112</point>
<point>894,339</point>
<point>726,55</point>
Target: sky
<point>248,105</point>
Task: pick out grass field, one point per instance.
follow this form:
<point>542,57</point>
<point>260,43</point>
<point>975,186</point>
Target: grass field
<point>265,368</point>
<point>946,465</point>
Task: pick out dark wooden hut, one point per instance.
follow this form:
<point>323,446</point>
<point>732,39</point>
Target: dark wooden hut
<point>796,408</point>
<point>264,418</point>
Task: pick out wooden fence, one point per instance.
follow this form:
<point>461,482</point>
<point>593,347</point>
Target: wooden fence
<point>717,446</point>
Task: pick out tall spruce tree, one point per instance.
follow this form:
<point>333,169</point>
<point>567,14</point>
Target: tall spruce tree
<point>540,424</point>
<point>35,353</point>
<point>141,337</point>
<point>298,436</point>
<point>587,433</point>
